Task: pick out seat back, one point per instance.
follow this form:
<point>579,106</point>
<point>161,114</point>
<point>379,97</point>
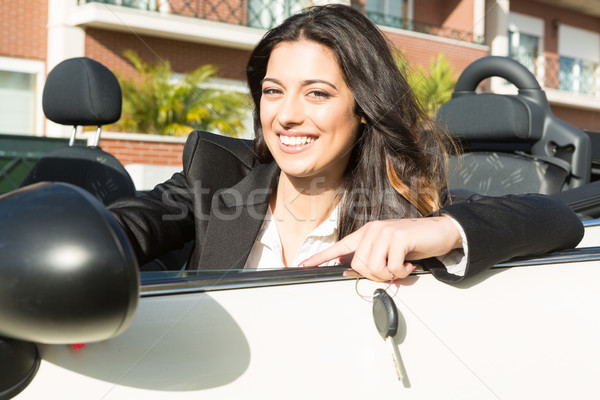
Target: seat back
<point>512,143</point>
<point>83,92</point>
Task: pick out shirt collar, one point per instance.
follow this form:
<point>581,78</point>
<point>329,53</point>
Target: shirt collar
<point>269,236</point>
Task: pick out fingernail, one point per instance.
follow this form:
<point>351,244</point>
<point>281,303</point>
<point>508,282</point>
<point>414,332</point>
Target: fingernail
<point>350,273</point>
<point>303,262</point>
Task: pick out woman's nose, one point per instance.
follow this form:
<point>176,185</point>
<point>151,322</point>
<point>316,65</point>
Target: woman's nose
<point>291,111</point>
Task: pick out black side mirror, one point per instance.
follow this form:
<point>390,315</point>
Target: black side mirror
<point>68,273</point>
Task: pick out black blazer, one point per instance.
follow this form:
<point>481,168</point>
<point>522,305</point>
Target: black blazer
<point>222,195</point>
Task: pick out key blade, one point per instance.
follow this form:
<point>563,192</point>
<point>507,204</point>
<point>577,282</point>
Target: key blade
<point>396,357</point>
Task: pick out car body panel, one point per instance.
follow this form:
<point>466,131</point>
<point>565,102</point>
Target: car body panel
<point>526,331</point>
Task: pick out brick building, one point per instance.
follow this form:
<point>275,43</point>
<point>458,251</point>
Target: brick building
<point>558,41</point>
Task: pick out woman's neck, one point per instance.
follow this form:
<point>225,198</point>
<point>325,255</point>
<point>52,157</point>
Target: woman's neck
<point>298,207</point>
<point>304,201</point>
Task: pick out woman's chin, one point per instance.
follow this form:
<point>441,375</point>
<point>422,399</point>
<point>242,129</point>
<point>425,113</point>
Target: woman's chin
<point>298,172</point>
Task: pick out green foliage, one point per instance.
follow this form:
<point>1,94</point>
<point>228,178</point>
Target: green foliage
<point>157,103</point>
<point>432,88</point>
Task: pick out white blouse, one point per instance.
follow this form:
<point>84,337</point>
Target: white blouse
<point>267,252</point>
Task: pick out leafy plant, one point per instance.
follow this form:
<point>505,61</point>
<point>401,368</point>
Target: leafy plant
<point>156,102</point>
<point>432,87</point>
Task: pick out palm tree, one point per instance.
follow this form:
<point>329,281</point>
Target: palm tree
<point>432,88</point>
<point>158,103</point>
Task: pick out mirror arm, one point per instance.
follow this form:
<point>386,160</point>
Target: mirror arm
<point>19,362</point>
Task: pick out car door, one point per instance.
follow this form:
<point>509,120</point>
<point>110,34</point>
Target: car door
<point>526,329</point>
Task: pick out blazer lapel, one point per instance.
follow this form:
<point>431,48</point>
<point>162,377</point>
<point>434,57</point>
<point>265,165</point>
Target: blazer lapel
<point>237,215</point>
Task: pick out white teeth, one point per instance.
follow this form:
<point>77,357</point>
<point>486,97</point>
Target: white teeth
<point>296,140</point>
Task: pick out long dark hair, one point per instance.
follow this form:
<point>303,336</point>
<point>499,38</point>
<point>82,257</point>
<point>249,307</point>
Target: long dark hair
<point>396,167</point>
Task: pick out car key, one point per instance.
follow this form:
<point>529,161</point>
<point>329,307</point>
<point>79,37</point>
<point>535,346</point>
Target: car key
<point>385,315</point>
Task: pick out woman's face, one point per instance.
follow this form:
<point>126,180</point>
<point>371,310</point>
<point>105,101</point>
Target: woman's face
<point>307,111</point>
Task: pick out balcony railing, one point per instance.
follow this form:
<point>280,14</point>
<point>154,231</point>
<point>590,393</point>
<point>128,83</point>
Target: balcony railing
<point>265,14</point>
<point>423,27</point>
<point>570,75</point>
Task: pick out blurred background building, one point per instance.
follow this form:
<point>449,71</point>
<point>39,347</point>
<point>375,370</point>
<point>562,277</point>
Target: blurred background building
<point>558,40</point>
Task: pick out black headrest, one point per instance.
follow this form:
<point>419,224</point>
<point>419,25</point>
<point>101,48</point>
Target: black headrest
<point>504,67</point>
<point>490,117</point>
<point>81,91</point>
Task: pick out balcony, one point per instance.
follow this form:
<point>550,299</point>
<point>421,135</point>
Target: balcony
<point>567,81</point>
<point>265,14</point>
<point>261,14</point>
<point>423,27</point>
<point>578,76</point>
<point>570,75</point>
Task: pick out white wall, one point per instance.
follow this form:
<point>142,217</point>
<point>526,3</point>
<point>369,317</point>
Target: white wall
<point>526,24</point>
<point>578,43</point>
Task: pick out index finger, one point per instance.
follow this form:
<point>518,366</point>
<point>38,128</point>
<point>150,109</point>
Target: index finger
<point>341,248</point>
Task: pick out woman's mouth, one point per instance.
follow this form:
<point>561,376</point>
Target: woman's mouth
<point>296,140</point>
<point>296,144</point>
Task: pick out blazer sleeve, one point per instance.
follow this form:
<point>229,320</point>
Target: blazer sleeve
<point>500,228</point>
<point>163,219</point>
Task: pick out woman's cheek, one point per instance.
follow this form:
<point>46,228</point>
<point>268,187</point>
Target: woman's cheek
<point>267,115</point>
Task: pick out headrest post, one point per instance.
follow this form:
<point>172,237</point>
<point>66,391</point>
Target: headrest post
<point>72,139</point>
<point>98,132</point>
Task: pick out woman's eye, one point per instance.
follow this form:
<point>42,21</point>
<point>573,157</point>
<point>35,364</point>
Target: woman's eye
<point>270,91</point>
<point>319,94</point>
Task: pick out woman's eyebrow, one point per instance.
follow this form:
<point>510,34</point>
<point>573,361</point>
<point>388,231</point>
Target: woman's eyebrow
<point>312,81</point>
<point>276,81</point>
<point>303,83</point>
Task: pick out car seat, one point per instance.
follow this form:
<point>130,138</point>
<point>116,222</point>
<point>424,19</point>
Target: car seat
<point>83,92</point>
<point>512,144</point>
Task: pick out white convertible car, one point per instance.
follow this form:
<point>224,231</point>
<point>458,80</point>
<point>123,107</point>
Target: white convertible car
<point>78,321</point>
<point>525,329</point>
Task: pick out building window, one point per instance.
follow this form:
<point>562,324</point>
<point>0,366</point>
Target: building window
<point>20,96</point>
<point>579,61</point>
<point>578,76</point>
<point>388,12</point>
<point>265,14</point>
<point>526,41</point>
<point>524,48</point>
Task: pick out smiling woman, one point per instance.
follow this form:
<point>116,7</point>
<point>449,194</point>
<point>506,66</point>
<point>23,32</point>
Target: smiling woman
<point>310,127</point>
<point>345,168</point>
<point>307,112</point>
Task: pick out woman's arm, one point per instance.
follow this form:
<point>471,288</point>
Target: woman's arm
<point>158,221</point>
<point>500,228</point>
<point>380,249</point>
<point>163,219</point>
<point>496,229</point>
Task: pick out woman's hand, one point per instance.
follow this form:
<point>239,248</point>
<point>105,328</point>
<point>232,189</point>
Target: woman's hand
<point>380,249</point>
